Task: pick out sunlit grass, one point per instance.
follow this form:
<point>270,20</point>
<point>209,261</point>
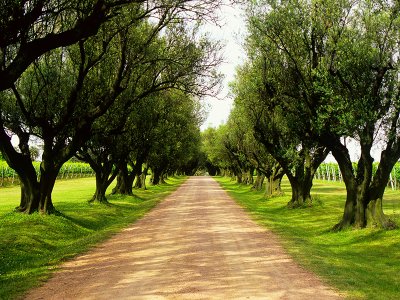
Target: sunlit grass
<point>365,264</point>
<point>31,246</point>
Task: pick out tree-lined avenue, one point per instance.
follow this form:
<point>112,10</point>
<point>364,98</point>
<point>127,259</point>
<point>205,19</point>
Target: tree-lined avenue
<point>197,244</point>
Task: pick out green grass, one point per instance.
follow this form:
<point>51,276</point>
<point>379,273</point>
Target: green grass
<point>32,246</point>
<point>364,264</point>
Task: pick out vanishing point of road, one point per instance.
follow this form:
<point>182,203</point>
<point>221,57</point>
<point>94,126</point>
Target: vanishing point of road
<point>196,244</point>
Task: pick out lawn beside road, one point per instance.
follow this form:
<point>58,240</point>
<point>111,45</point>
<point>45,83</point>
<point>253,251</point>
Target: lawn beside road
<point>362,263</point>
<point>31,246</point>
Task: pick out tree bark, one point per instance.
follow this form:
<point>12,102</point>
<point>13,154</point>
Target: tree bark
<point>103,180</point>
<point>375,215</point>
<point>164,176</point>
<point>258,183</point>
<point>301,180</point>
<point>47,181</point>
<point>138,181</point>
<point>143,178</point>
<point>101,188</point>
<point>301,191</point>
<point>239,178</point>
<point>273,185</point>
<point>37,195</point>
<point>29,202</point>
<point>251,177</point>
<point>124,181</point>
<point>139,172</point>
<point>156,177</point>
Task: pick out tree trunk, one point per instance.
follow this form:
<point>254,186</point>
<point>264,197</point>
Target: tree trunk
<point>258,183</point>
<point>356,208</point>
<point>239,177</point>
<point>156,177</point>
<point>124,182</point>
<point>37,195</point>
<point>138,171</point>
<point>251,178</point>
<point>375,215</point>
<point>273,185</point>
<point>301,192</point>
<point>22,164</point>
<point>101,188</point>
<point>276,183</point>
<point>301,183</point>
<point>363,207</point>
<point>47,181</point>
<point>138,181</point>
<point>103,181</point>
<point>143,178</point>
<point>245,178</point>
<point>301,180</point>
<point>163,177</point>
<point>102,165</point>
<point>30,195</point>
<point>276,186</point>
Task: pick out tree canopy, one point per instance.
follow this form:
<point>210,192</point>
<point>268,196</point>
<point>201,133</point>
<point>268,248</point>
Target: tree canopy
<point>329,69</point>
<point>316,73</point>
<point>61,93</point>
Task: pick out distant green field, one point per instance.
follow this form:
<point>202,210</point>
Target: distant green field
<point>31,246</point>
<point>364,264</point>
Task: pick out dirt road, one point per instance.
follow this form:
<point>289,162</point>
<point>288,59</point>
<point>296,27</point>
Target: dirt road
<point>197,244</point>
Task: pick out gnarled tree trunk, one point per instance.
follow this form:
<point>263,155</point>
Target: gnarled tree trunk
<point>155,176</point>
<point>301,191</point>
<point>363,207</point>
<point>29,202</point>
<point>104,177</point>
<point>258,183</point>
<point>124,181</point>
<point>36,195</point>
<point>301,180</point>
<point>48,176</point>
<point>273,185</point>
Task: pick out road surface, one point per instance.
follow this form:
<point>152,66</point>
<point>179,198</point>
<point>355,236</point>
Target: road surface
<point>196,244</point>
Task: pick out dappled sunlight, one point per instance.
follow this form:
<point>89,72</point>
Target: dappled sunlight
<point>197,244</point>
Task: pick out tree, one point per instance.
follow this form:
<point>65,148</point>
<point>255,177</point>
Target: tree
<point>50,102</point>
<point>362,79</point>
<point>255,153</point>
<point>176,137</point>
<point>278,125</point>
<point>208,147</point>
<point>100,152</point>
<point>237,141</point>
<point>188,64</point>
<point>343,60</point>
<point>66,90</point>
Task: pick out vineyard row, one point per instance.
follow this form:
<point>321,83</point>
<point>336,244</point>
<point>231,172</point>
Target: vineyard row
<point>331,172</point>
<point>69,170</point>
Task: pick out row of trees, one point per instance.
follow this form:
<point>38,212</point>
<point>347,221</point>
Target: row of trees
<point>316,73</point>
<point>114,82</point>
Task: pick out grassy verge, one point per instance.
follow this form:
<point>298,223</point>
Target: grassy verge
<point>32,246</point>
<point>364,264</point>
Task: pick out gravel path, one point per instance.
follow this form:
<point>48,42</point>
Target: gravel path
<point>196,244</point>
